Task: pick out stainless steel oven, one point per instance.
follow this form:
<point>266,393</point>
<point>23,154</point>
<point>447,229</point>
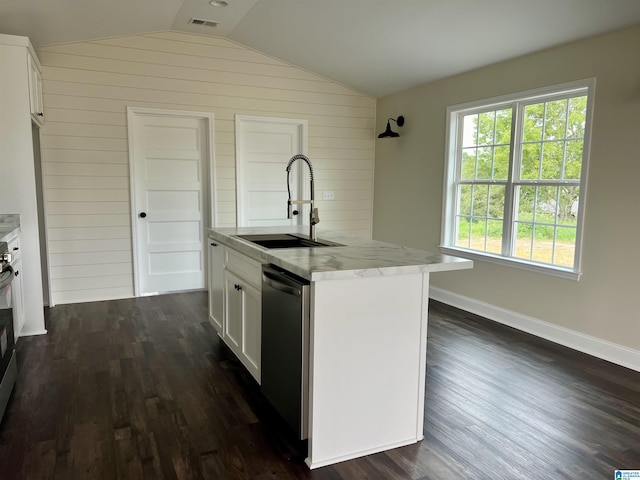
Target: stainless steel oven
<point>8,366</point>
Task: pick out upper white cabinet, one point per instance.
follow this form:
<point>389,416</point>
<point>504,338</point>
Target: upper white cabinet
<point>35,90</point>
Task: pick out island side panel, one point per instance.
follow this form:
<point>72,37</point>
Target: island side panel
<point>367,365</point>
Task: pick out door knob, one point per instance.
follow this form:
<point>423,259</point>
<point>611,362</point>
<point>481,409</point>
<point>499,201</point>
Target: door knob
<point>142,214</point>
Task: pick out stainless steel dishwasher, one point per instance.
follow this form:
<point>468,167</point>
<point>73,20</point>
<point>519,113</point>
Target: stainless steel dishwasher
<point>285,346</point>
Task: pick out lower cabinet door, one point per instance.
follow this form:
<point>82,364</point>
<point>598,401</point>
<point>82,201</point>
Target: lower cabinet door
<point>233,316</point>
<point>216,286</point>
<point>18,299</point>
<point>251,329</point>
<point>243,321</point>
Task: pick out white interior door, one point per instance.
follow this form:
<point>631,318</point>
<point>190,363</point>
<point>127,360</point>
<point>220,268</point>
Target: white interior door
<point>170,153</point>
<point>264,146</point>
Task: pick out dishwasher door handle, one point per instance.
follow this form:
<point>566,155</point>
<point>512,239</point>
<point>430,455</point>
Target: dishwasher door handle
<point>272,280</point>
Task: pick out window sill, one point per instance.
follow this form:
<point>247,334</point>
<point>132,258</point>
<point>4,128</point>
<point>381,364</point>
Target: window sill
<point>513,263</point>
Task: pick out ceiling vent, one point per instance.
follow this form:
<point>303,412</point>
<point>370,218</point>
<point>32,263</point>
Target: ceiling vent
<point>204,23</point>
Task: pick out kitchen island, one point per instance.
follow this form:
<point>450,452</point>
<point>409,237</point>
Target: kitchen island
<point>367,333</point>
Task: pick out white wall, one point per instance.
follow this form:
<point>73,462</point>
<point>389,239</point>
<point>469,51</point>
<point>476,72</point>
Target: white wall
<point>87,87</point>
<point>409,179</point>
<point>17,171</point>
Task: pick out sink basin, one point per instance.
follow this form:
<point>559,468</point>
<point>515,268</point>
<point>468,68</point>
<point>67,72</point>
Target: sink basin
<point>286,240</point>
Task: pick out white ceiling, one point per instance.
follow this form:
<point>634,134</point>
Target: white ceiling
<point>378,47</point>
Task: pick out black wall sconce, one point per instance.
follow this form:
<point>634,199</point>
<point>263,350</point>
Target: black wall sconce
<point>390,133</point>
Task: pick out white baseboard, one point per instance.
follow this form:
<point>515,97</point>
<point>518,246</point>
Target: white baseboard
<point>32,333</point>
<point>612,352</point>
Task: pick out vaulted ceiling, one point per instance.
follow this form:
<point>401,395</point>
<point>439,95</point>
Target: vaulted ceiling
<point>378,47</point>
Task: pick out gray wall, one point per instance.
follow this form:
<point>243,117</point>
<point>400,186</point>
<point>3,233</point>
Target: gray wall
<point>409,180</point>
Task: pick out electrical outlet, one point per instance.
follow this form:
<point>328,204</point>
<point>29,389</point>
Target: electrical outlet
<point>327,195</point>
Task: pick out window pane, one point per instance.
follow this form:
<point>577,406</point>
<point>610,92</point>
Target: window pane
<point>573,160</point>
<point>503,127</point>
<point>464,232</point>
<point>544,234</point>
<point>542,244</point>
<point>523,227</point>
<point>565,246</point>
<point>546,204</point>
<point>533,120</point>
<point>501,163</point>
<point>496,202</point>
<point>469,130</point>
<point>485,128</point>
<point>526,197</point>
<point>545,224</point>
<point>478,234</point>
<point>464,200</point>
<point>480,193</point>
<point>530,164</point>
<point>552,155</point>
<point>577,117</point>
<point>494,236</point>
<point>468,168</point>
<point>485,163</point>
<point>523,241</point>
<point>555,120</point>
<point>486,231</point>
<point>568,208</point>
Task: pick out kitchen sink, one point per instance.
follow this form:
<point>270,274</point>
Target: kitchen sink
<point>286,240</point>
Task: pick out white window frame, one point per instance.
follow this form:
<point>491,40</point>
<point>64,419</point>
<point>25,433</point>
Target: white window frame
<point>452,171</point>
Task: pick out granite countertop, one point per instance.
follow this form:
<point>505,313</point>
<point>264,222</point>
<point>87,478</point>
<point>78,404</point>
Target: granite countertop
<point>358,257</point>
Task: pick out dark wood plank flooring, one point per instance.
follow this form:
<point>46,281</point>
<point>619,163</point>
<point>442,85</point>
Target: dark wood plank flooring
<point>144,389</point>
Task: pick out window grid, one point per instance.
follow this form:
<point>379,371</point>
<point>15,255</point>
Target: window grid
<point>548,209</point>
<point>536,225</point>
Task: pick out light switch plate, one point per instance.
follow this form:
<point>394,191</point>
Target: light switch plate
<point>327,195</point>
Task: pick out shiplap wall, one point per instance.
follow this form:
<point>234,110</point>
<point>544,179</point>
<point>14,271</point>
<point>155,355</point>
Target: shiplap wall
<point>87,88</point>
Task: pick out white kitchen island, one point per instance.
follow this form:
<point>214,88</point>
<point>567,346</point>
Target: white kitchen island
<point>367,335</point>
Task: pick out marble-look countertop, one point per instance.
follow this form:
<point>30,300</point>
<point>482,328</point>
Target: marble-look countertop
<point>9,226</point>
<point>358,257</point>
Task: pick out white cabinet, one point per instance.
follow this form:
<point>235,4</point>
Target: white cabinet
<point>19,196</point>
<point>216,285</point>
<point>243,325</point>
<point>233,312</point>
<point>17,295</point>
<point>18,299</point>
<point>235,303</point>
<point>35,90</point>
<point>251,329</point>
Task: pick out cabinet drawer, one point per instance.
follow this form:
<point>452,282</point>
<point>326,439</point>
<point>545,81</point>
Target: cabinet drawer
<point>14,248</point>
<point>246,268</point>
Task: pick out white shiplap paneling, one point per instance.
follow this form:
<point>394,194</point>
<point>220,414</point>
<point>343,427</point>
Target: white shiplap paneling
<point>87,88</point>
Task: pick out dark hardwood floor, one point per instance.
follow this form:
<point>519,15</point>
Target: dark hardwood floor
<point>144,389</point>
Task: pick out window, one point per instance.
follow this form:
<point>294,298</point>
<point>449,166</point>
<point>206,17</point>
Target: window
<point>516,176</point>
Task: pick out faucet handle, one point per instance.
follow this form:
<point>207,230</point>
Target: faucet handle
<point>315,218</point>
